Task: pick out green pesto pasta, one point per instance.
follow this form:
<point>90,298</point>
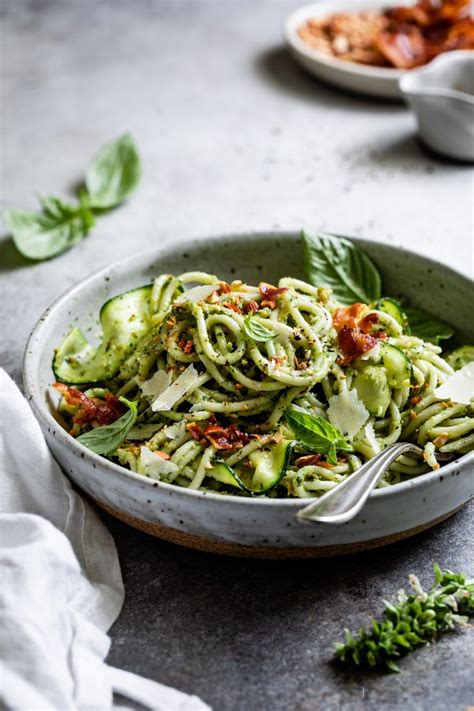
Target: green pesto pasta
<point>218,365</point>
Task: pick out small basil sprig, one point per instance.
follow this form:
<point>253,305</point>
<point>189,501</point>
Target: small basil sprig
<point>103,440</point>
<point>414,621</point>
<point>339,264</point>
<point>256,331</point>
<point>430,328</point>
<point>316,434</point>
<point>111,177</point>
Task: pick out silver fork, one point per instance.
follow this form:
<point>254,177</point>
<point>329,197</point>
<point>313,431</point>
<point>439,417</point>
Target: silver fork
<point>345,501</point>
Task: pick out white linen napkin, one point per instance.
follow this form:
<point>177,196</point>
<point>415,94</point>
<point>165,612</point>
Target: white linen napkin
<point>60,588</point>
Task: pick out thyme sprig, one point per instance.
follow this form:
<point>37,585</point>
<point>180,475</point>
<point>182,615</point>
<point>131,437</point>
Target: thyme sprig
<point>415,620</point>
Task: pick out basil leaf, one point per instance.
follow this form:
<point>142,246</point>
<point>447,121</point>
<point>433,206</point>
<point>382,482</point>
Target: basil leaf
<point>103,440</point>
<point>41,235</point>
<point>426,326</point>
<point>316,434</point>
<point>256,331</point>
<point>114,173</point>
<point>339,264</point>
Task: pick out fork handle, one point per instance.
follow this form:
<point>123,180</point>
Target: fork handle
<point>345,501</point>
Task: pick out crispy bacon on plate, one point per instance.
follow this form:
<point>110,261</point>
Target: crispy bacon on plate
<point>404,49</point>
<point>402,37</point>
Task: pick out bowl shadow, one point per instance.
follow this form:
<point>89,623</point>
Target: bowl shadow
<point>276,68</point>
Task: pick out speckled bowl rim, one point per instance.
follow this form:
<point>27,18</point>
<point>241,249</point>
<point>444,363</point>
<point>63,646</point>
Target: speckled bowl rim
<point>42,412</point>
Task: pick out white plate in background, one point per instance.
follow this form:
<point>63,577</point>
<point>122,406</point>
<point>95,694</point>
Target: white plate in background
<point>361,78</point>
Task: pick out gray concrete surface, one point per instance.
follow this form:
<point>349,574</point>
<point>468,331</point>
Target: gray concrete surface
<point>233,137</point>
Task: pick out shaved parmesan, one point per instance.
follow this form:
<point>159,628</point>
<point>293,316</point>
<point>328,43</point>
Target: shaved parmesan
<point>155,466</point>
<point>459,387</point>
<point>176,430</point>
<point>156,385</point>
<point>197,293</point>
<point>347,413</point>
<point>183,385</point>
<point>370,436</point>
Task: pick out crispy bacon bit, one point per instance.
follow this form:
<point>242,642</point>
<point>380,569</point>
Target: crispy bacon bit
<point>186,345</point>
<point>270,294</point>
<point>224,287</point>
<point>367,323</point>
<point>308,460</point>
<point>239,386</point>
<point>278,360</point>
<point>312,460</point>
<point>196,433</point>
<point>353,343</point>
<point>162,455</point>
<point>356,333</point>
<point>97,410</point>
<point>233,307</point>
<point>300,365</point>
<point>251,307</point>
<point>349,316</point>
<point>441,439</point>
<point>224,438</point>
<point>415,400</point>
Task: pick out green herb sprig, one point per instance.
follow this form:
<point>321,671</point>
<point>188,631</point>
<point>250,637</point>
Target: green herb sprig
<point>113,174</point>
<point>413,621</point>
<point>316,434</point>
<point>256,331</point>
<point>336,262</point>
<point>103,440</point>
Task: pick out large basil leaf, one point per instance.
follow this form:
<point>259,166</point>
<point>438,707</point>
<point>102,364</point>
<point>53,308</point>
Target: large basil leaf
<point>41,235</point>
<point>103,440</point>
<point>316,434</point>
<point>426,326</point>
<point>341,265</point>
<point>114,173</point>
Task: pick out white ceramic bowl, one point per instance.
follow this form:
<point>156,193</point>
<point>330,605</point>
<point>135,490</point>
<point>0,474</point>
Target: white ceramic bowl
<point>222,523</point>
<point>360,78</point>
<point>442,96</point>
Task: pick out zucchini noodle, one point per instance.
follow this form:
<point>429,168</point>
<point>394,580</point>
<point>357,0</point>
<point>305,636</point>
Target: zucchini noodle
<point>227,360</point>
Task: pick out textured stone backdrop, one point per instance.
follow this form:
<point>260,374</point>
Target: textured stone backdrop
<point>233,137</point>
